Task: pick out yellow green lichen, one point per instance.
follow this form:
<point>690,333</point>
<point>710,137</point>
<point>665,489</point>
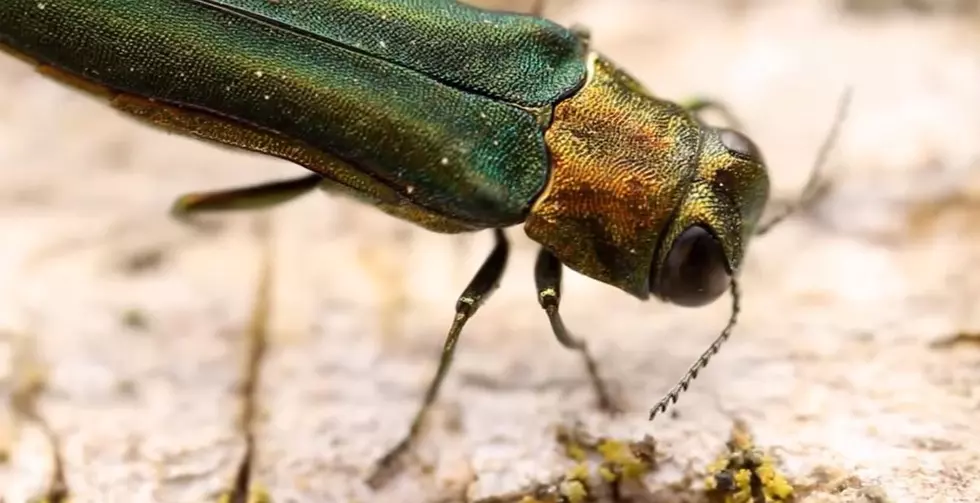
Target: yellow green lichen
<point>574,491</point>
<point>607,474</point>
<point>255,495</point>
<point>623,460</point>
<point>578,472</point>
<point>572,442</point>
<point>744,474</point>
<point>576,452</point>
<point>602,467</point>
<point>775,485</point>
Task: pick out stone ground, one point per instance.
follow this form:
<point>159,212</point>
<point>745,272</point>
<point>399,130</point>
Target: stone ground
<point>124,336</point>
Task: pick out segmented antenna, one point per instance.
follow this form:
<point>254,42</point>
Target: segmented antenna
<point>702,361</point>
<point>817,183</point>
<point>814,187</point>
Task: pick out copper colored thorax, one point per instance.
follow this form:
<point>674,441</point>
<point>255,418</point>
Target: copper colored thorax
<point>630,172</point>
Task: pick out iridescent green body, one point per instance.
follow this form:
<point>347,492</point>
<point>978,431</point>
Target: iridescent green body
<point>342,77</point>
<point>450,117</point>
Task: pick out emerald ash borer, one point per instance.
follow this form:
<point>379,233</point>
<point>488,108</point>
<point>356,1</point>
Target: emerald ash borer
<point>447,116</point>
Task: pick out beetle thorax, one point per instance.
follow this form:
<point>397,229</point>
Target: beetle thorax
<point>621,162</point>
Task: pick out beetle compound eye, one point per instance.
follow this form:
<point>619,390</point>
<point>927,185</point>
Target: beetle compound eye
<point>696,270</point>
<point>740,145</point>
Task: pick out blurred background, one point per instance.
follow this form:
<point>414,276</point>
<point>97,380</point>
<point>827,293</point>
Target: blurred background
<point>124,335</point>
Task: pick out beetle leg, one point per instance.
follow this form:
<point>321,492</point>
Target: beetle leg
<point>537,8</point>
<point>476,293</point>
<point>698,105</point>
<point>579,30</point>
<point>547,278</point>
<point>243,198</point>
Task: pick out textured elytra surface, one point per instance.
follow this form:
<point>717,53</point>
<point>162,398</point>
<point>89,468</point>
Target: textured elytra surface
<point>322,88</point>
<point>510,58</point>
<point>847,361</point>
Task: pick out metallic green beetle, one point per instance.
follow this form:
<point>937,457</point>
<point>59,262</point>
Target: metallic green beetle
<point>450,117</point>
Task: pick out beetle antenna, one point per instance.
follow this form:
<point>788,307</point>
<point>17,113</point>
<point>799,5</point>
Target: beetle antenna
<point>702,361</point>
<point>817,185</point>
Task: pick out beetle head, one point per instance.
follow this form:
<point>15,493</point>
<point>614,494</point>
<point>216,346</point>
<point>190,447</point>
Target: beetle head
<point>644,197</point>
<point>703,245</point>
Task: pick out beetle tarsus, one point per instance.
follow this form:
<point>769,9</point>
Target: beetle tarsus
<point>547,277</point>
<point>476,293</point>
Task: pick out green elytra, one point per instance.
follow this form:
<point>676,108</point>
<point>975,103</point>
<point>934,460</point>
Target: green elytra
<point>340,76</point>
<point>336,86</point>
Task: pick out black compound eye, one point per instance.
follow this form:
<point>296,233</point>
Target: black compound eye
<point>740,145</point>
<point>696,270</point>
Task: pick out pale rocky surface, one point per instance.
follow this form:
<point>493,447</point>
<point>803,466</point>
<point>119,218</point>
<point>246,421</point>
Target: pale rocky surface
<point>137,325</point>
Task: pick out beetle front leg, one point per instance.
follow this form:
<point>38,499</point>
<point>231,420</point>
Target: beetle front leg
<point>476,293</point>
<point>698,105</point>
<point>547,278</point>
<point>580,30</point>
<point>243,198</point>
